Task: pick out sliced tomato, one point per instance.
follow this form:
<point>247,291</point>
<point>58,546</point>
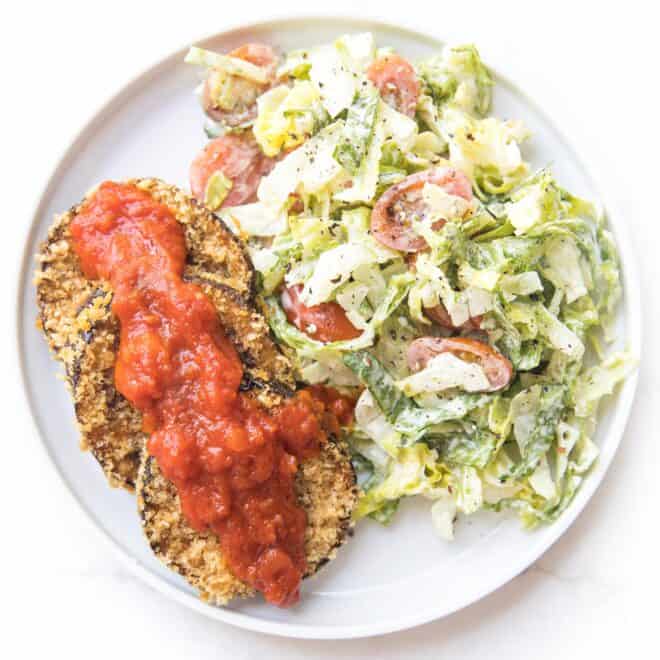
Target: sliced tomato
<point>396,81</point>
<point>398,206</point>
<point>497,368</point>
<point>239,158</point>
<point>440,315</point>
<point>238,104</point>
<point>261,55</point>
<point>324,322</point>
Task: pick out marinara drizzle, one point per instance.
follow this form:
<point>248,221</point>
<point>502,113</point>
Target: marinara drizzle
<point>232,462</point>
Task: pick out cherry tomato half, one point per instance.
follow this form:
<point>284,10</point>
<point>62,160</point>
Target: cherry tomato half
<point>392,215</point>
<point>239,158</point>
<point>497,368</point>
<point>324,322</point>
<point>396,81</point>
<point>440,315</point>
<point>232,99</point>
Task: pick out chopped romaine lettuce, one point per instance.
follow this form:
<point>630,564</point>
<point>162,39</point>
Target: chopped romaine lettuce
<point>254,220</point>
<point>333,268</point>
<point>231,65</point>
<point>307,170</point>
<point>414,471</point>
<point>333,76</point>
<point>598,381</point>
<point>286,117</point>
<point>217,189</point>
<point>459,76</point>
<point>443,515</point>
<point>487,149</point>
<point>525,266</point>
<point>358,130</point>
<point>385,392</point>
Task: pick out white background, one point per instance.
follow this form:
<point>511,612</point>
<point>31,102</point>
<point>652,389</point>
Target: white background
<point>593,595</point>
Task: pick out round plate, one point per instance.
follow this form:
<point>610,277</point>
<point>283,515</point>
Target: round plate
<point>385,579</point>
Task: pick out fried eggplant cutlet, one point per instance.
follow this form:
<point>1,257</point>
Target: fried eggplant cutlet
<point>76,316</point>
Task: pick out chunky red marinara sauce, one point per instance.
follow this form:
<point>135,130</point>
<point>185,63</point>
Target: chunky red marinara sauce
<point>233,463</point>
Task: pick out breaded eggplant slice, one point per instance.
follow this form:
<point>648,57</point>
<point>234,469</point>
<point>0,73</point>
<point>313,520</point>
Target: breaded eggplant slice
<point>326,489</point>
<point>109,426</point>
<point>76,317</point>
<point>62,289</point>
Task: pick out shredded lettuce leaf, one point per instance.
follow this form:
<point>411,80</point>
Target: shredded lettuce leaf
<point>445,372</point>
<point>286,117</point>
<point>459,76</point>
<point>232,65</point>
<point>358,130</point>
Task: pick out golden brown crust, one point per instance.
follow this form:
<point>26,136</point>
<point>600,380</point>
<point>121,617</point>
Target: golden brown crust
<point>213,251</point>
<point>326,489</point>
<point>197,557</point>
<point>109,426</point>
<point>62,289</point>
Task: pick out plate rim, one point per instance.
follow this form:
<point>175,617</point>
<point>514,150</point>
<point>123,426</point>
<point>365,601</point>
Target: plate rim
<point>622,405</point>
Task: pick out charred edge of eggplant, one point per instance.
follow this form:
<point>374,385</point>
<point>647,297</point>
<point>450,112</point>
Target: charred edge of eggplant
<point>250,382</point>
<point>97,293</point>
<point>121,481</point>
<point>346,526</point>
<point>44,248</point>
<point>252,284</point>
<point>146,478</point>
<point>236,296</point>
<point>113,397</point>
<point>145,505</point>
<point>73,371</point>
<point>86,336</point>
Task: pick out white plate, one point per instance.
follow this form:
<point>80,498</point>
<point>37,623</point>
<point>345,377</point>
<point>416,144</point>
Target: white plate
<point>385,579</point>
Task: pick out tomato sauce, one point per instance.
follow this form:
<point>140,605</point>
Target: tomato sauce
<point>232,462</point>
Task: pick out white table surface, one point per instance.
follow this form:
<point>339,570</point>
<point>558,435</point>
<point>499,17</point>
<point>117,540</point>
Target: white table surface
<point>593,595</point>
